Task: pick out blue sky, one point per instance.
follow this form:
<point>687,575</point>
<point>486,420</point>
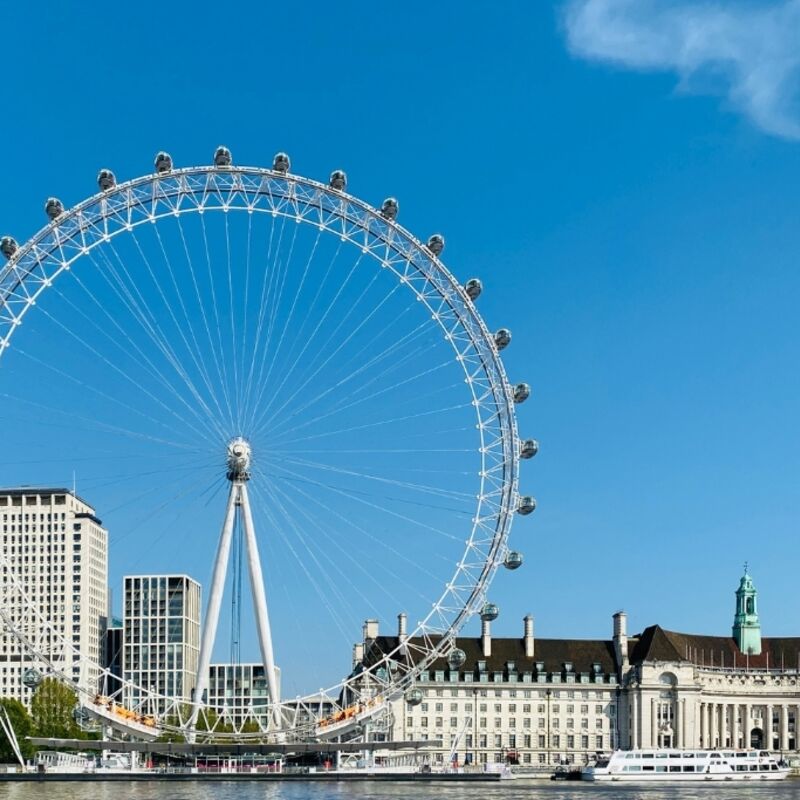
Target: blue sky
<point>632,217</point>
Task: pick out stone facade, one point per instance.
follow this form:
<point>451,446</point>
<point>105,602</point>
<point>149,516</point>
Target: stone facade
<point>701,691</point>
<point>549,701</point>
<point>55,566</point>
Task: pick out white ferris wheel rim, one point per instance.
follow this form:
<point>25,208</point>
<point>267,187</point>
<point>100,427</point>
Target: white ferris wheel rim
<point>74,233</point>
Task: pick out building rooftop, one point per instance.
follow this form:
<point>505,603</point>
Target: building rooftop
<point>18,491</point>
<point>657,644</point>
<point>582,654</point>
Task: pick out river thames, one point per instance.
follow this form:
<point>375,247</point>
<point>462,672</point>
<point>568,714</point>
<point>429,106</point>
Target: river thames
<point>518,790</point>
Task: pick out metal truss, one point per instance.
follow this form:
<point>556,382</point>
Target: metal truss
<point>73,234</point>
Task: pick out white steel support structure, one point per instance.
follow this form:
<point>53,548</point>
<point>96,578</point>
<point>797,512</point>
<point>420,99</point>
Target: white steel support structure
<point>238,460</point>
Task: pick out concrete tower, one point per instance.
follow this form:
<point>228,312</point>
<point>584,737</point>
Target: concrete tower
<point>746,627</point>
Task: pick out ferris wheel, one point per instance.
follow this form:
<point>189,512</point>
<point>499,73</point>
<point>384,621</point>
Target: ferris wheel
<point>235,332</point>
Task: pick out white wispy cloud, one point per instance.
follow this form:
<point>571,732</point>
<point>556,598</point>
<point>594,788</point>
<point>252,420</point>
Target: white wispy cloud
<point>750,49</point>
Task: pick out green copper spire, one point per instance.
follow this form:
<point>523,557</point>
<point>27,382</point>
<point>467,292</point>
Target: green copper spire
<point>746,627</point>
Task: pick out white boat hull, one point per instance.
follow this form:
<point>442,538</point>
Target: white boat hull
<point>751,777</point>
<point>687,766</point>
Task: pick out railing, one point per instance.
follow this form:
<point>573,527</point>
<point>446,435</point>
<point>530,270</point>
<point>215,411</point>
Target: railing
<point>747,670</point>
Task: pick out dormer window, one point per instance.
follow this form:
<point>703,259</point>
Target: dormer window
<point>540,666</point>
<point>481,666</point>
<point>567,666</point>
<point>511,666</point>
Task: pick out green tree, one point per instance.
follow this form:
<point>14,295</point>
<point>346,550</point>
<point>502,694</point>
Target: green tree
<point>172,736</point>
<point>210,722</point>
<point>52,706</point>
<point>251,726</point>
<point>22,724</point>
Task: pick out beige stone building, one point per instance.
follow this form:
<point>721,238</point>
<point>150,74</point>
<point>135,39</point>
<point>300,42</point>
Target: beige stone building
<point>54,568</point>
<point>547,701</point>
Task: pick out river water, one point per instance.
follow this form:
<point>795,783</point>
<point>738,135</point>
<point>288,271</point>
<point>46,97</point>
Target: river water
<point>516,790</point>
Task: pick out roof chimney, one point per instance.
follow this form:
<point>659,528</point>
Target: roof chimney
<point>402,634</point>
<point>370,630</point>
<point>486,637</point>
<point>621,640</point>
<point>528,620</point>
<point>358,654</point>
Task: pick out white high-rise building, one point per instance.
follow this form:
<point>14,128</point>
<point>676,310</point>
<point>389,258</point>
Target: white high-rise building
<point>161,638</point>
<point>55,567</point>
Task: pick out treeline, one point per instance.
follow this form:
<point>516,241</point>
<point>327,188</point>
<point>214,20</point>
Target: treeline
<point>52,716</point>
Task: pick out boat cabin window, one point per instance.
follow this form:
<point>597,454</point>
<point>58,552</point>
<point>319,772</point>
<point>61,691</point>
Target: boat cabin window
<point>689,768</point>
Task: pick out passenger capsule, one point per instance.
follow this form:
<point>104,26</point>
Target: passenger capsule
<point>456,658</point>
<point>436,244</point>
<point>414,697</point>
<point>513,560</point>
<point>281,163</point>
<point>527,505</point>
<point>473,287</point>
<point>521,392</point>
<point>502,338</point>
<point>338,180</point>
<point>489,612</point>
<point>8,246</point>
<point>528,448</point>
<point>389,208</point>
<point>31,678</point>
<point>53,207</point>
<point>163,162</point>
<point>222,157</point>
<point>106,180</point>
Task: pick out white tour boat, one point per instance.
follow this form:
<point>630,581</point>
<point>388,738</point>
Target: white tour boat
<point>645,766</point>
